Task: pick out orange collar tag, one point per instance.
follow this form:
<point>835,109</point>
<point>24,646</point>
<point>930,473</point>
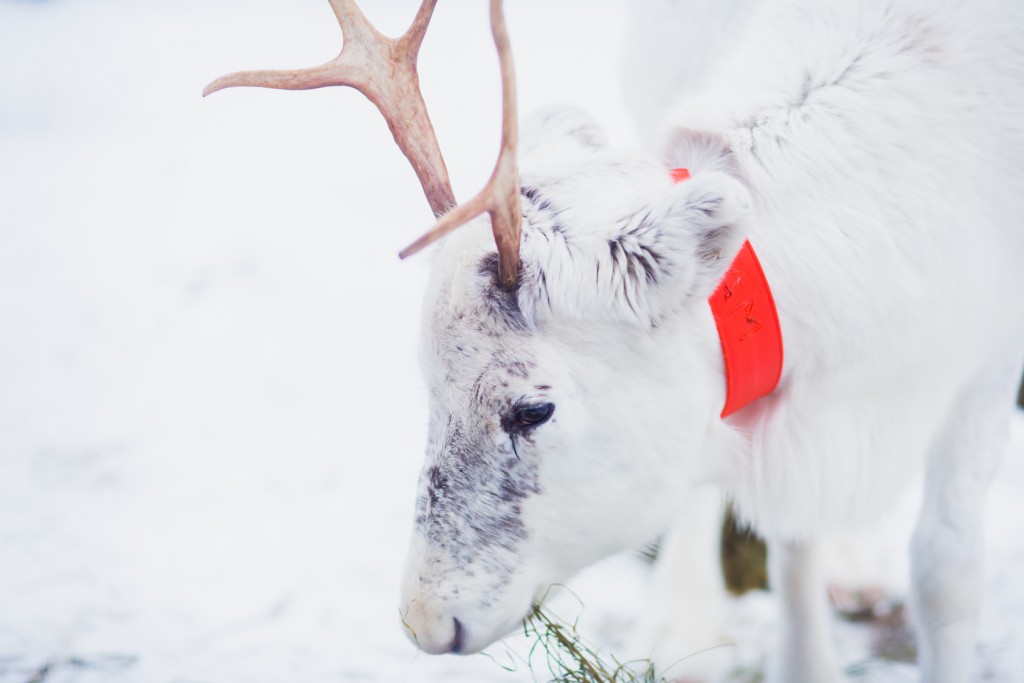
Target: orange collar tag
<point>748,327</point>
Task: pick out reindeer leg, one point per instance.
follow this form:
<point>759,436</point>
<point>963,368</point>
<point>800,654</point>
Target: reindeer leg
<point>946,550</point>
<point>805,653</point>
<point>685,621</point>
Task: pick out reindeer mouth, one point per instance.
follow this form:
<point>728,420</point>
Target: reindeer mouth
<point>435,626</point>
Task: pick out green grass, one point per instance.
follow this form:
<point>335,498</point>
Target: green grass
<point>571,659</point>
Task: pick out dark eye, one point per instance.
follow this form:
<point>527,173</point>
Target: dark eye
<point>531,416</point>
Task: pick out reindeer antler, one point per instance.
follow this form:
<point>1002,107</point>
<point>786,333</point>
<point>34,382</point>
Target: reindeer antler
<point>500,196</point>
<point>384,69</point>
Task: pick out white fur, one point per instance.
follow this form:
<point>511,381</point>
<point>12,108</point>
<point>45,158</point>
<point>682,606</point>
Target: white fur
<point>872,152</point>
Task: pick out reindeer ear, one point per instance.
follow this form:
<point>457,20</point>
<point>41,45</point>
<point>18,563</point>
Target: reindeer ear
<point>695,231</point>
<point>671,253</point>
<point>554,131</point>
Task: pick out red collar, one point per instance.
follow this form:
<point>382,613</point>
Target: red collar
<point>748,327</point>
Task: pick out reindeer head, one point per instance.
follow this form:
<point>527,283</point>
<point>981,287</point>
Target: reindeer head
<point>563,411</point>
<point>571,369</point>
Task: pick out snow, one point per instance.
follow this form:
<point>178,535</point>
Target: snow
<point>211,419</point>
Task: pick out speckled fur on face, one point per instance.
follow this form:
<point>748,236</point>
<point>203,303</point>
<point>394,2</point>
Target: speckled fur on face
<point>477,473</point>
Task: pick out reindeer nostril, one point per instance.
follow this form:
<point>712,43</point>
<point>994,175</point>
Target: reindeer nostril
<point>458,641</point>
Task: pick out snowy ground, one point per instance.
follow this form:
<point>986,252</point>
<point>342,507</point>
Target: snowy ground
<point>211,418</point>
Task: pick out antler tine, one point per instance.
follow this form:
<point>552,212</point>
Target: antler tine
<point>500,197</point>
<point>291,79</point>
<point>413,38</point>
<point>356,30</point>
<point>383,69</point>
<point>350,18</point>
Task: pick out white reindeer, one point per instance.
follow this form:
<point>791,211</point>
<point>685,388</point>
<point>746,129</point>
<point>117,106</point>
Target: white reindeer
<point>873,154</point>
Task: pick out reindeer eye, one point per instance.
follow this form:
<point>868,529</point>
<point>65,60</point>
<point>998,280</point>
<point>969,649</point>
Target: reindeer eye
<point>531,416</point>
